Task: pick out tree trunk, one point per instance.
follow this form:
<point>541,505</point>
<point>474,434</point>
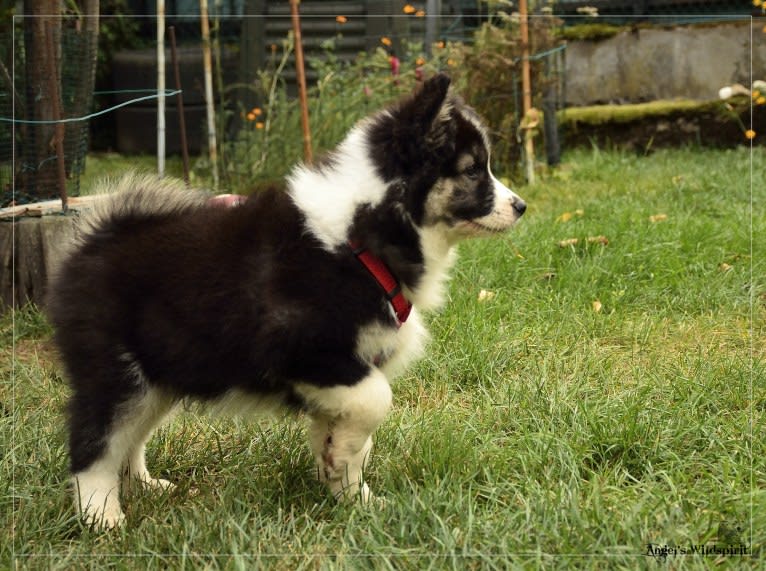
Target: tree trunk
<point>39,151</point>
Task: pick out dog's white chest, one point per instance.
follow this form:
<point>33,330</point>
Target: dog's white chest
<point>391,350</point>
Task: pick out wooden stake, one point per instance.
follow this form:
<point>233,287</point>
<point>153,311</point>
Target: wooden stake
<point>161,87</point>
<point>301,73</point>
<point>526,88</point>
<point>179,104</point>
<point>60,131</point>
<point>208,64</point>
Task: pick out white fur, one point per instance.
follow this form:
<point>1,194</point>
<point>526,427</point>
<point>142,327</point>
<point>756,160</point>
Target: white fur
<point>439,254</point>
<point>397,348</point>
<point>330,196</point>
<point>343,420</point>
<point>97,488</point>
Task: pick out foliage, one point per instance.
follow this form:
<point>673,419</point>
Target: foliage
<point>490,77</point>
<point>486,72</point>
<point>270,142</point>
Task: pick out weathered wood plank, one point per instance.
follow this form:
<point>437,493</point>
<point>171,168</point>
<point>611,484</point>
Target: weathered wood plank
<point>6,264</point>
<point>30,272</point>
<point>32,248</point>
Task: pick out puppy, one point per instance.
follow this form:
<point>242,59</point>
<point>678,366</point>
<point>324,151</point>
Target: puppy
<point>308,299</point>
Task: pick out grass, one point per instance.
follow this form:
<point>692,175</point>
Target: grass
<point>538,431</point>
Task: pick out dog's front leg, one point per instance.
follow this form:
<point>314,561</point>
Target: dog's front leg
<point>343,420</point>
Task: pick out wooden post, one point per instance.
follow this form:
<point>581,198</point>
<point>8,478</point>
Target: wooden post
<point>161,87</point>
<point>208,64</point>
<point>526,88</point>
<point>179,103</point>
<point>301,74</point>
<point>53,88</point>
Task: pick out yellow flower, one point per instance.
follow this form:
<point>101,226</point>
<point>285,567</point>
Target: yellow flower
<point>259,125</point>
<point>385,41</point>
<point>341,19</point>
<point>761,100</point>
<point>756,94</point>
<point>757,2</point>
<point>420,61</point>
<point>451,62</point>
<point>251,116</point>
<point>750,134</point>
<point>408,9</point>
<point>420,13</point>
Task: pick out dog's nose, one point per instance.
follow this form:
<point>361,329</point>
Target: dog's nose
<point>519,206</point>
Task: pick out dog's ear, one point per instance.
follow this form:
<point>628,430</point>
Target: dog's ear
<point>415,133</point>
<point>427,106</point>
<point>430,101</point>
<point>422,123</point>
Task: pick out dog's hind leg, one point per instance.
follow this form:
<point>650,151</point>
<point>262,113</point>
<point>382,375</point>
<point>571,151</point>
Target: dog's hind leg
<point>343,420</point>
<point>112,412</point>
<point>150,411</point>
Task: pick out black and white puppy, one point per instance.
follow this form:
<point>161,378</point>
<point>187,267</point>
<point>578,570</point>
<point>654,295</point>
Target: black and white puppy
<point>308,298</point>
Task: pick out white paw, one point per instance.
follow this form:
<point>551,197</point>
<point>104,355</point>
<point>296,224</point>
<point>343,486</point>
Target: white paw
<point>358,493</point>
<point>158,484</point>
<point>146,482</point>
<point>105,517</point>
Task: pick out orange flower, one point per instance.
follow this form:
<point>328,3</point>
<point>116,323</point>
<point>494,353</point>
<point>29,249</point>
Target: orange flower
<point>408,9</point>
<point>420,61</point>
<point>420,13</point>
<point>750,134</point>
<point>251,116</point>
<point>440,45</point>
<point>256,111</point>
<point>385,41</point>
<point>341,19</point>
<point>259,125</point>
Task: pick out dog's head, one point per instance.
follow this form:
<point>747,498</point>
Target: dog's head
<point>437,151</point>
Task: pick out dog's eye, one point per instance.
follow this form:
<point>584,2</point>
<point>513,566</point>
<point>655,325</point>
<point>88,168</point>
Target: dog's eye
<point>472,171</point>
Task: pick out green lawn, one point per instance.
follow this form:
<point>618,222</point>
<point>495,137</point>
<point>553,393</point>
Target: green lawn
<point>597,399</point>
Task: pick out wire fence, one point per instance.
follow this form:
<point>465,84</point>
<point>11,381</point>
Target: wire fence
<point>41,96</point>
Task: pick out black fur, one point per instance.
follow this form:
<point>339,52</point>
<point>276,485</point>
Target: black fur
<point>198,300</point>
<point>207,301</point>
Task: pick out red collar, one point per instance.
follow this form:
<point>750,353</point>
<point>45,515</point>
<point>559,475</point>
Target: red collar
<point>386,280</point>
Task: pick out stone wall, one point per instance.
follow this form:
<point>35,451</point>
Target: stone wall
<point>683,62</point>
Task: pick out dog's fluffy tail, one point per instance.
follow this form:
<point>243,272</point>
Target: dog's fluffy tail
<point>137,194</point>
